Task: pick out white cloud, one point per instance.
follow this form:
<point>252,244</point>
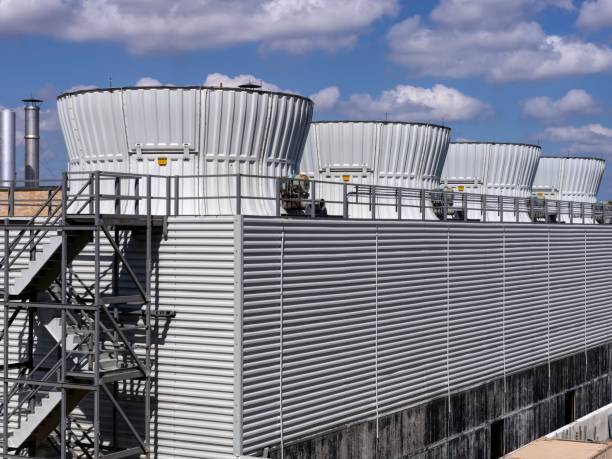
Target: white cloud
<point>595,14</point>
<point>591,138</point>
<point>575,102</point>
<point>495,12</point>
<point>81,87</point>
<point>146,26</point>
<point>497,40</point>
<point>326,99</point>
<point>411,103</point>
<point>147,82</point>
<point>219,79</point>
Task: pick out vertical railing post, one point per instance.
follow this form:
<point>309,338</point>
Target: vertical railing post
<point>532,213</point>
<point>137,196</point>
<point>398,192</point>
<point>546,210</point>
<point>64,197</point>
<point>313,199</point>
<point>177,194</point>
<point>5,342</point>
<point>517,208</point>
<point>483,205</point>
<point>91,192</point>
<point>444,205</point>
<point>277,202</point>
<point>148,336</point>
<point>117,195</point>
<point>500,208</point>
<point>422,203</point>
<point>11,199</point>
<point>238,194</point>
<point>571,211</point>
<point>64,300</point>
<point>465,203</point>
<point>345,203</point>
<point>97,194</point>
<point>168,196</point>
<point>559,204</point>
<point>582,213</point>
<point>373,201</point>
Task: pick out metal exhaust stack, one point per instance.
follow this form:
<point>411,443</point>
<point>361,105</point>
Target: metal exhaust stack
<point>32,141</point>
<point>7,148</point>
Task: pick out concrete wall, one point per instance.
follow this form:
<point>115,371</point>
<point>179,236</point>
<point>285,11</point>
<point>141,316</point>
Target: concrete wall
<point>531,404</point>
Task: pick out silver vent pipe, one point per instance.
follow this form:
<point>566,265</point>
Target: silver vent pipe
<point>7,148</point>
<point>32,141</point>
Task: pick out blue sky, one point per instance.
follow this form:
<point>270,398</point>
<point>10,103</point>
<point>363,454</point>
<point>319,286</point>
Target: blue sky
<point>536,71</point>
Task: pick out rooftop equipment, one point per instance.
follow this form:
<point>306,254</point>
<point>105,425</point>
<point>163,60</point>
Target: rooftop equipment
<point>7,148</point>
<point>190,132</point>
<point>380,153</point>
<point>32,141</point>
<point>564,178</point>
<point>498,169</point>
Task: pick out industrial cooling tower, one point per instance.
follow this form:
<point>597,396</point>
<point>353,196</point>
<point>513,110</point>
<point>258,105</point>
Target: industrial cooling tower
<point>496,169</point>
<point>572,179</point>
<point>393,154</point>
<point>205,135</point>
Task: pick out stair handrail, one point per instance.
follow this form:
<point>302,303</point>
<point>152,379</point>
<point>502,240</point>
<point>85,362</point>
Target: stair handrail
<point>32,220</point>
<point>51,371</point>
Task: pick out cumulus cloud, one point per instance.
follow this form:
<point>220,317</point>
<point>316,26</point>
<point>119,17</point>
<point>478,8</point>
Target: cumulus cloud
<point>81,87</point>
<point>576,102</point>
<point>591,138</point>
<point>472,12</point>
<point>412,103</point>
<point>326,99</point>
<point>146,26</point>
<point>219,79</point>
<point>145,82</point>
<point>473,38</point>
<point>595,14</point>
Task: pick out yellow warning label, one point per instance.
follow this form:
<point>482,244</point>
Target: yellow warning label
<point>162,161</point>
<point>460,188</point>
<point>346,178</point>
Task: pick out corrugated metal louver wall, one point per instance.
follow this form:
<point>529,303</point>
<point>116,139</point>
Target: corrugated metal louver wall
<point>443,306</point>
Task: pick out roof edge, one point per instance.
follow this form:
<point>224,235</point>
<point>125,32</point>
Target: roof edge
<point>217,88</point>
<point>413,123</point>
<point>498,143</point>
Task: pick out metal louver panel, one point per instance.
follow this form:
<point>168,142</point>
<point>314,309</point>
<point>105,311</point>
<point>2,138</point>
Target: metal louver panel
<point>347,321</point>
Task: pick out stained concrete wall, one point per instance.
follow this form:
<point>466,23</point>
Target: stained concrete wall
<point>531,404</point>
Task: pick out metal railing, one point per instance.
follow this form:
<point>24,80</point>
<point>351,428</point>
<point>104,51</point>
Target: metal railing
<point>236,194</point>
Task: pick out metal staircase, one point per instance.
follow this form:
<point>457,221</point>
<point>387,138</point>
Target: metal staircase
<point>97,340</point>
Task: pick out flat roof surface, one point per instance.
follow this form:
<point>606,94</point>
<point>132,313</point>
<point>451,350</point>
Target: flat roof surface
<point>562,449</point>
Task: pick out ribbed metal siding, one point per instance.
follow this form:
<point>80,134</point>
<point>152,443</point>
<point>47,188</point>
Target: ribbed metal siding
<point>569,179</point>
<point>201,131</point>
<point>492,169</point>
<point>194,358</point>
<point>375,153</point>
<point>348,320</point>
